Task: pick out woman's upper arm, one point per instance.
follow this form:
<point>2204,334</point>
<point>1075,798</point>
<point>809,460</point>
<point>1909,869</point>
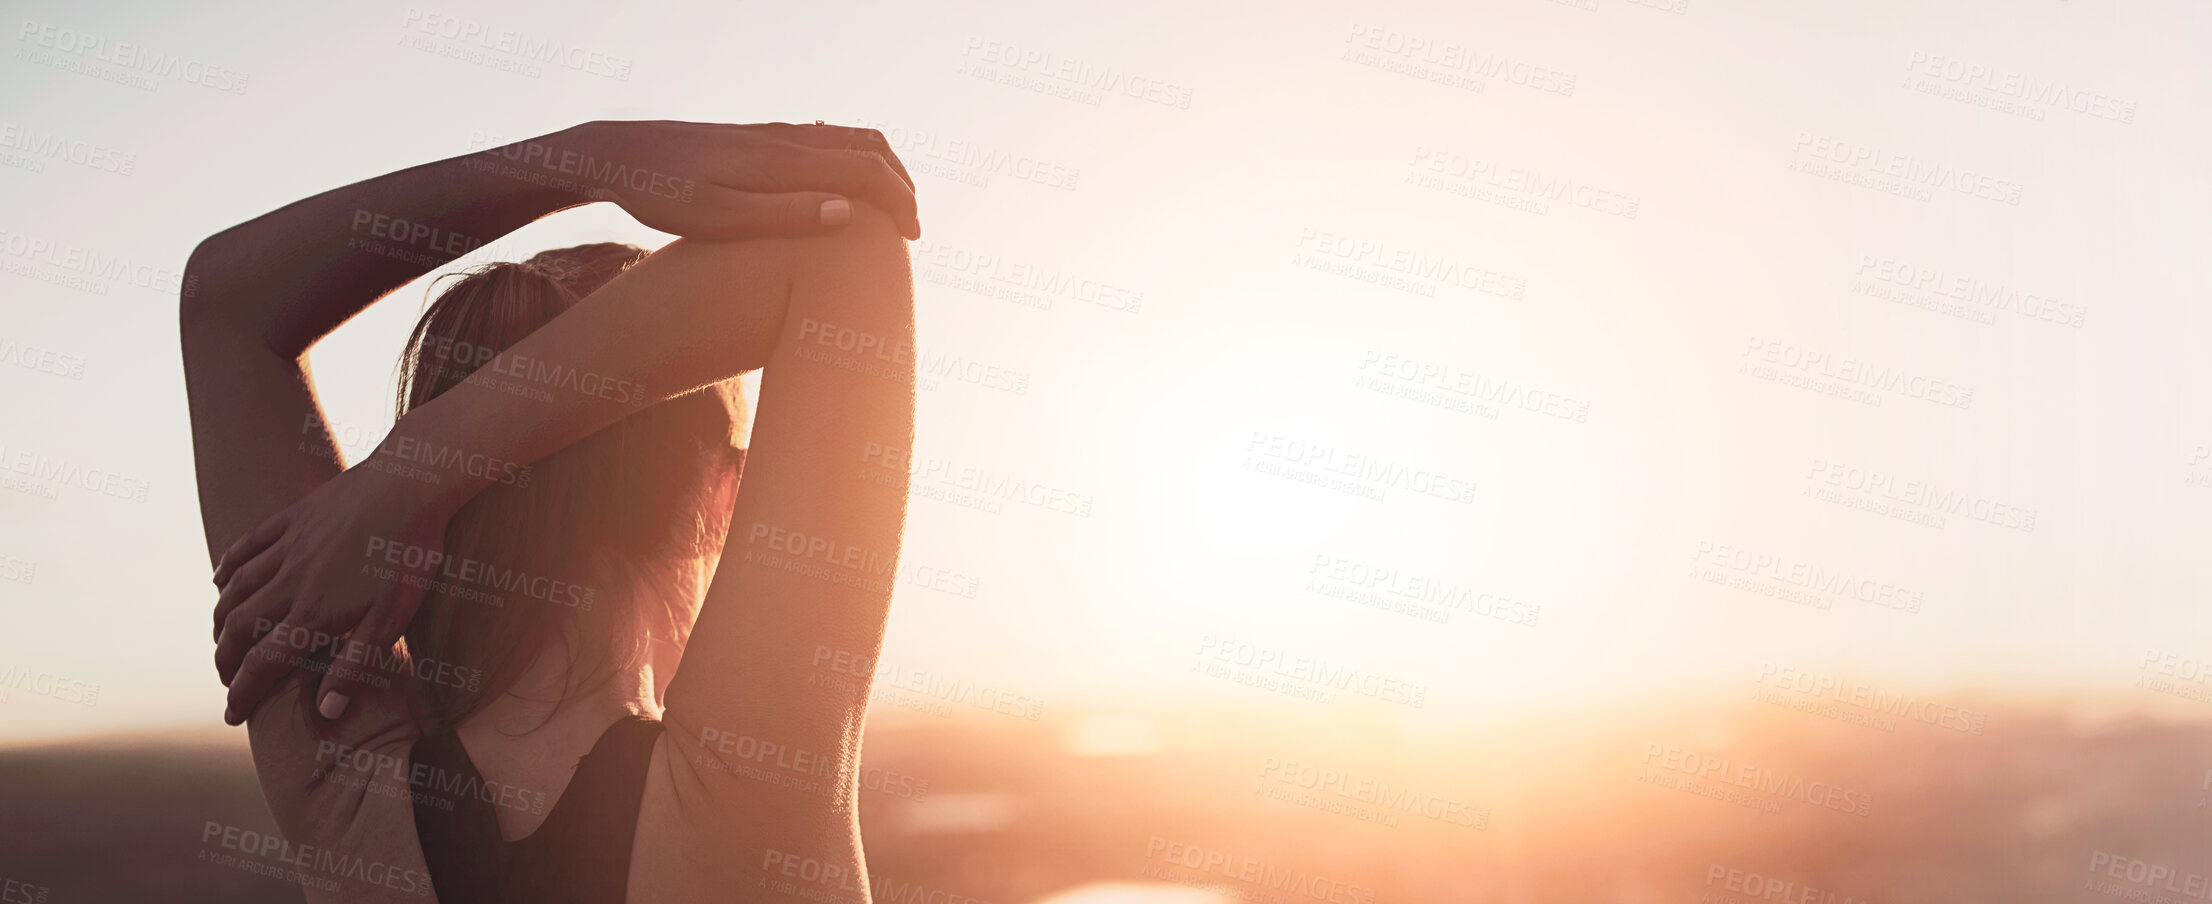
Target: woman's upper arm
<point>344,799</point>
<point>259,441</point>
<point>784,645</point>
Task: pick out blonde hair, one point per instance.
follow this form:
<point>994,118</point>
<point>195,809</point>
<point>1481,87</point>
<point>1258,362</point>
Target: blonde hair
<point>638,507</point>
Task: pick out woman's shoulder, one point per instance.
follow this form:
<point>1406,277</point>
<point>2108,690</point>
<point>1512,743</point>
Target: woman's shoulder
<point>342,793</point>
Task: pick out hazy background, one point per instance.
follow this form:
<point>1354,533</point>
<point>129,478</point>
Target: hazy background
<point>1664,383</point>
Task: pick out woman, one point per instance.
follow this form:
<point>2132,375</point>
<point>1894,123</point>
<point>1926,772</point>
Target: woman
<point>542,644</point>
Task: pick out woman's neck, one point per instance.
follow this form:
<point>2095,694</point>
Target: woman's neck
<point>535,704</point>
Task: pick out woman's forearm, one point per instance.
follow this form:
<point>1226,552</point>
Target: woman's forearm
<point>290,276</point>
<point>691,314</point>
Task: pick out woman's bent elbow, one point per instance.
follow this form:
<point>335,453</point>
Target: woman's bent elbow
<point>869,248</point>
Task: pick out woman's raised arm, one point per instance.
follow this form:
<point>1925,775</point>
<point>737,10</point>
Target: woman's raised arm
<point>690,314</point>
<point>258,295</point>
<point>782,656</point>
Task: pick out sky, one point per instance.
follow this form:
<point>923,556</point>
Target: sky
<point>1533,354</point>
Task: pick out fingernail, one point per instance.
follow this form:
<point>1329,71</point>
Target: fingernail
<point>334,705</point>
<point>837,213</point>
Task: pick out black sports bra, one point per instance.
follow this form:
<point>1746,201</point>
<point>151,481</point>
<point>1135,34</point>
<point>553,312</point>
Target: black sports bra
<point>580,854</point>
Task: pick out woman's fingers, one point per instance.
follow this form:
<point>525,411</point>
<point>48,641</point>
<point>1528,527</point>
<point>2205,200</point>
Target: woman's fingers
<point>866,175</point>
<point>776,179</point>
<point>745,214</point>
<point>364,659</point>
<point>858,174</point>
<point>836,137</point>
<point>251,543</point>
<point>288,644</point>
<point>245,581</point>
<point>245,626</point>
<point>262,664</point>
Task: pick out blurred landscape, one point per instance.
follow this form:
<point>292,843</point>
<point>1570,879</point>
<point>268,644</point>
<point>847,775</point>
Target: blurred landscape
<point>1738,803</point>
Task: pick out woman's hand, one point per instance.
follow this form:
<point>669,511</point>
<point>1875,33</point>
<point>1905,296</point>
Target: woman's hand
<point>341,571</point>
<point>720,181</point>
